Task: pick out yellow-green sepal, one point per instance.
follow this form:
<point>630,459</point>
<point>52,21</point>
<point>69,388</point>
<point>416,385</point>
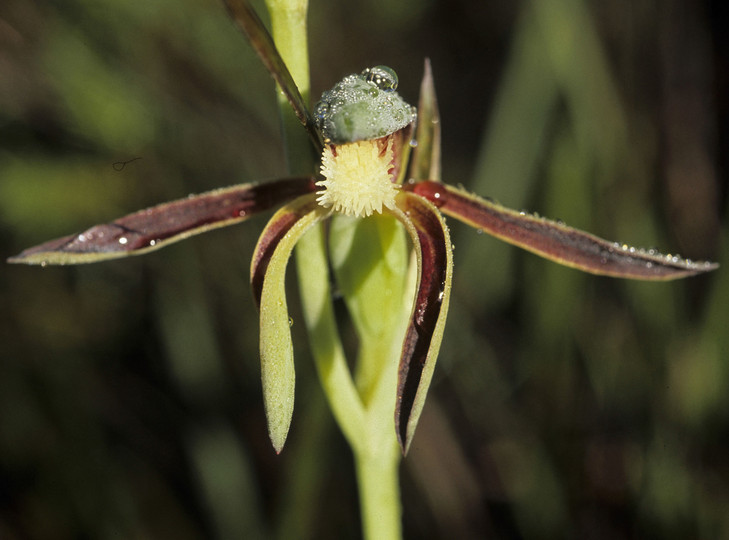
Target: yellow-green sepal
<point>268,269</point>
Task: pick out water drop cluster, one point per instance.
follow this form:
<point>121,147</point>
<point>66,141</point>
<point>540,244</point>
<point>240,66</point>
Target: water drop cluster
<point>362,107</point>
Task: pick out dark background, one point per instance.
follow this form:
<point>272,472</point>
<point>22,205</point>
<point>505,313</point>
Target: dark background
<point>564,405</point>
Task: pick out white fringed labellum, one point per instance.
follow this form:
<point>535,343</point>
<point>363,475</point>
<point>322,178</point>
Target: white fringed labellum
<point>357,118</point>
<point>358,177</point>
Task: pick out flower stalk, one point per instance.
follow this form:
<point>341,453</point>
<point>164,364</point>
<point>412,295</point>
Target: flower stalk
<point>363,409</point>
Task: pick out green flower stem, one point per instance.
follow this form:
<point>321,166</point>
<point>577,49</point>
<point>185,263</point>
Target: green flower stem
<point>289,30</point>
<point>370,260</point>
<point>369,429</point>
<point>331,364</point>
<point>378,459</point>
<point>288,25</point>
<point>379,489</point>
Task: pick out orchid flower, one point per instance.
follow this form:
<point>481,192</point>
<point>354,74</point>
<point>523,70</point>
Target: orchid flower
<point>365,132</point>
<point>378,182</point>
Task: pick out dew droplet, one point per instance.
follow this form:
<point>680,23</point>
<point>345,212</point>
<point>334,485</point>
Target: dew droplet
<point>123,240</point>
<point>291,322</point>
<point>382,77</point>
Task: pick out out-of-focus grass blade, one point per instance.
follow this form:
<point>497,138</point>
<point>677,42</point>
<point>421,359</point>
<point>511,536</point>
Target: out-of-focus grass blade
<point>557,242</point>
<point>160,225</point>
<point>427,320</point>
<point>262,42</point>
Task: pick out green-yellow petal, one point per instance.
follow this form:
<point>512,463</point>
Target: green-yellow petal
<point>276,347</point>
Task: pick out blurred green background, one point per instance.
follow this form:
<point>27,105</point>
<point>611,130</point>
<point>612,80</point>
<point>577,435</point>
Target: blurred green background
<point>564,405</point>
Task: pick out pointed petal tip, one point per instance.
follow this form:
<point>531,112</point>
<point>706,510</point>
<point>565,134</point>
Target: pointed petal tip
<point>278,442</point>
<point>403,439</point>
<point>16,259</point>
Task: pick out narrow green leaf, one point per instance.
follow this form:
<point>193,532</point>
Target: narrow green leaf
<point>277,353</point>
<point>158,226</point>
<point>434,252</point>
<point>426,155</point>
<point>556,241</point>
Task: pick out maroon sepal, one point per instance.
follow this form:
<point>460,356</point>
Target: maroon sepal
<point>555,241</point>
<point>425,328</point>
<point>277,227</point>
<point>262,42</point>
<point>160,225</point>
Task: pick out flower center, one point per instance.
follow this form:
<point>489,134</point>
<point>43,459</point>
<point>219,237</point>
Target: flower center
<point>358,177</point>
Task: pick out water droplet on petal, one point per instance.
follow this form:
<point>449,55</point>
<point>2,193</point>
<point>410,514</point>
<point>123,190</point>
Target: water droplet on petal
<point>382,77</point>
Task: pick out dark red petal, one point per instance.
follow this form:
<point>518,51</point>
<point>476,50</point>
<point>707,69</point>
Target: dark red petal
<point>425,329</point>
<point>278,226</point>
<point>262,42</point>
<point>160,225</point>
<point>555,241</point>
